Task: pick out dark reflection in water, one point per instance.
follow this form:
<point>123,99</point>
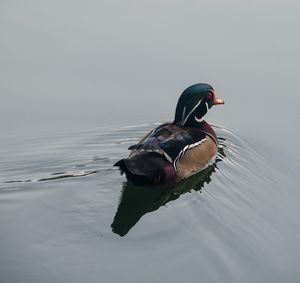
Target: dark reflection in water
<point>136,201</point>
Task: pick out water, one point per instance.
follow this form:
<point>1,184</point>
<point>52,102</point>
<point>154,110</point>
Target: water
<point>80,82</point>
<point>236,221</point>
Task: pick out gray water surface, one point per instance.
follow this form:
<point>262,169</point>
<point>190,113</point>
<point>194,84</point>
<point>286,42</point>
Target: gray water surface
<point>238,217</point>
<point>82,81</point>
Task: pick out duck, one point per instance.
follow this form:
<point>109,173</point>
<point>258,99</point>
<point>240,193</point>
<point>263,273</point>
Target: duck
<point>174,151</point>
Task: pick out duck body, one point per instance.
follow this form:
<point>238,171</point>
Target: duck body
<point>174,151</point>
<point>170,153</point>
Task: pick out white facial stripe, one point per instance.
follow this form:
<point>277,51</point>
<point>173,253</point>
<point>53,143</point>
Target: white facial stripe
<point>191,112</point>
<point>183,115</point>
<point>206,106</point>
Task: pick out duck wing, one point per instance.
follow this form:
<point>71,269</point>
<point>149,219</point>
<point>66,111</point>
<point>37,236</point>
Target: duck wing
<point>169,140</point>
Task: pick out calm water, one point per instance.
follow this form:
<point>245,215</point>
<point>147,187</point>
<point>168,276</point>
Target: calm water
<point>235,222</point>
<point>81,81</point>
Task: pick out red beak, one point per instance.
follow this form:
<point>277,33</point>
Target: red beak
<point>217,100</point>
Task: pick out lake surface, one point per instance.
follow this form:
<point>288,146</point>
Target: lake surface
<point>80,82</point>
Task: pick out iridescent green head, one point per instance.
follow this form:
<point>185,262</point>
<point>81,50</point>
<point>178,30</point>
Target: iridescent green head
<point>194,103</point>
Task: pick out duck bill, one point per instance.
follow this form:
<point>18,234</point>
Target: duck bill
<point>217,100</point>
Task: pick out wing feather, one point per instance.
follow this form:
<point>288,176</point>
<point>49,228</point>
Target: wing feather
<point>168,140</point>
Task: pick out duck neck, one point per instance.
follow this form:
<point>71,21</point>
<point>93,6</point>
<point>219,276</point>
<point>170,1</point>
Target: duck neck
<point>193,123</point>
<point>204,127</point>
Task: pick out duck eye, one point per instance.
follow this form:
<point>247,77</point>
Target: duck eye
<point>209,96</point>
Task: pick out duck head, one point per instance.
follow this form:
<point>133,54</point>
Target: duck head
<point>194,103</point>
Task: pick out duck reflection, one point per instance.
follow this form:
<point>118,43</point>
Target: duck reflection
<point>138,200</point>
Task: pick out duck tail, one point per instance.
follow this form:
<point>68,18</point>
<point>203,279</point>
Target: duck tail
<point>152,170</point>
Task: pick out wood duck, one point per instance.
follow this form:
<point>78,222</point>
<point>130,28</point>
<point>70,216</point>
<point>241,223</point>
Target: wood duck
<point>174,151</point>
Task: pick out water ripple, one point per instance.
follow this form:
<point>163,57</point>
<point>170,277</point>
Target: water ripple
<point>235,211</point>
